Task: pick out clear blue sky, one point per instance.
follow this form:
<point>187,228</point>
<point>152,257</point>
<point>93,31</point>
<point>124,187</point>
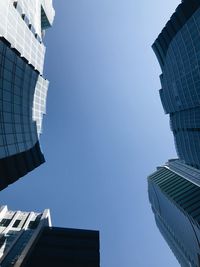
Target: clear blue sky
<point>105,130</point>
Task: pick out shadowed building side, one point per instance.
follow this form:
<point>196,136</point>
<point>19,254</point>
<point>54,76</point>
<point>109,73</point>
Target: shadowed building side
<point>16,166</point>
<point>65,247</point>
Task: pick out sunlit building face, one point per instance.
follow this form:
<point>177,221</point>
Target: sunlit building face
<point>23,88</point>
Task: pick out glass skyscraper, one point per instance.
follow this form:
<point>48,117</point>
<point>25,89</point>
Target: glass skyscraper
<point>174,195</point>
<point>23,88</point>
<point>174,189</point>
<point>178,51</point>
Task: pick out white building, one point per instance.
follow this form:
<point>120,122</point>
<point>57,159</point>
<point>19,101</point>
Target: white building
<point>18,232</point>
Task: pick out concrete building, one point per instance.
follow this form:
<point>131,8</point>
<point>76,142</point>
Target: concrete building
<point>27,239</point>
<point>23,88</point>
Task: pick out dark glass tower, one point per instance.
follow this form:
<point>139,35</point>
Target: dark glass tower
<point>174,189</point>
<point>175,201</point>
<point>178,51</point>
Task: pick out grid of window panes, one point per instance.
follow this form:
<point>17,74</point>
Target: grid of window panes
<point>186,128</point>
<point>180,93</point>
<point>39,103</point>
<point>14,28</point>
<point>181,76</point>
<point>30,8</point>
<point>17,85</point>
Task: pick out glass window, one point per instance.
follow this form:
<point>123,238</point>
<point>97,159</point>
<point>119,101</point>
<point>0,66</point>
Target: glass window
<point>10,138</point>
<point>5,222</point>
<point>7,85</point>
<point>12,149</point>
<point>8,128</point>
<point>7,75</point>
<point>17,222</point>
<point>7,117</point>
<point>19,137</point>
<point>1,140</point>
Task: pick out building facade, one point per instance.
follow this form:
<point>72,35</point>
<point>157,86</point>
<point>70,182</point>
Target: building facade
<point>178,51</point>
<point>65,247</point>
<point>27,239</point>
<point>175,201</point>
<point>23,88</point>
<point>18,232</point>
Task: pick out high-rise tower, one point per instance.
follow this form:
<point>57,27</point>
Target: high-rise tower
<point>174,189</point>
<point>178,51</point>
<point>27,239</point>
<point>23,88</point>
<point>174,194</point>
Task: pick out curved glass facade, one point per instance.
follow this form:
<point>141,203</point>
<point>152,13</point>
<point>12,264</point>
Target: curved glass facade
<point>179,45</point>
<point>23,89</point>
<point>17,86</point>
